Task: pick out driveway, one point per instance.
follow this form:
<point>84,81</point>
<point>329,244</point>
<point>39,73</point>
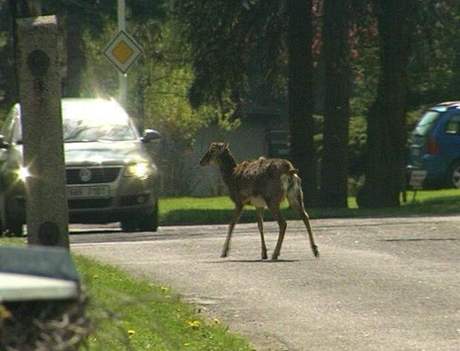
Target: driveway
<point>380,284</point>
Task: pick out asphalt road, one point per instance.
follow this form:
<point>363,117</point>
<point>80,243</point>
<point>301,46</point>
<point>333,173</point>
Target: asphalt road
<point>380,284</point>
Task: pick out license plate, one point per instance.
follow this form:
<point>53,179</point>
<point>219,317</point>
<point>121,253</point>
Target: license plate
<point>96,191</point>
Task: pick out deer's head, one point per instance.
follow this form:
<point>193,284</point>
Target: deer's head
<point>214,152</point>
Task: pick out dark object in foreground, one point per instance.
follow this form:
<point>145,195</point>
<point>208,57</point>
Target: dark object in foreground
<point>260,183</point>
<point>42,306</point>
<point>44,325</point>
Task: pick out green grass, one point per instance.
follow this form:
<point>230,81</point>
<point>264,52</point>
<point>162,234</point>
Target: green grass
<point>134,314</point>
<point>214,210</point>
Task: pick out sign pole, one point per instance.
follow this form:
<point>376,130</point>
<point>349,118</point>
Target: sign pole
<point>122,77</point>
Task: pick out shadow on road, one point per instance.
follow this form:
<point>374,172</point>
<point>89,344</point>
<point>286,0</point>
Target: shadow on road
<point>94,231</point>
<point>252,261</point>
<point>420,239</point>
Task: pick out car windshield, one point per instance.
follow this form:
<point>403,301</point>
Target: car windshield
<point>96,121</point>
<point>426,123</point>
<point>91,121</point>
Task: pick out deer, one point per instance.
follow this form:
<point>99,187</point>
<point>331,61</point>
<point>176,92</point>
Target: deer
<point>262,183</point>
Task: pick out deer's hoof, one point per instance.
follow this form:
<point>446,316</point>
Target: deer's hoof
<point>223,255</point>
<point>315,251</point>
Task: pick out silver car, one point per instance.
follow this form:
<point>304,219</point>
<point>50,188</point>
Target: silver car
<point>110,176</point>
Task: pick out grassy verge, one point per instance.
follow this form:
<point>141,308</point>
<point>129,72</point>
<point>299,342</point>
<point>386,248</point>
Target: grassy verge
<point>214,210</point>
<point>132,314</point>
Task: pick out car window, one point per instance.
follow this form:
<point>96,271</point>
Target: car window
<point>453,125</point>
<point>426,123</point>
<point>85,123</point>
<point>93,122</point>
<point>81,130</point>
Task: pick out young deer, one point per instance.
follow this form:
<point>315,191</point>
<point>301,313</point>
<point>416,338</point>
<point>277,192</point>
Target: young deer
<point>261,183</point>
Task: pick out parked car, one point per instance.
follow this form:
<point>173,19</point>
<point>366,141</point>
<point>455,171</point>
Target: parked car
<point>435,146</point>
<point>110,176</point>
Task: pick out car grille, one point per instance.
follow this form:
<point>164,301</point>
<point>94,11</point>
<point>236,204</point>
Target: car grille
<point>89,203</point>
<point>92,175</point>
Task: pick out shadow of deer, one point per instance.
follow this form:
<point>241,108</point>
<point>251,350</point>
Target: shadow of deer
<point>260,183</point>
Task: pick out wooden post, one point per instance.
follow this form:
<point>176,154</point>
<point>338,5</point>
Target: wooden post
<point>40,100</point>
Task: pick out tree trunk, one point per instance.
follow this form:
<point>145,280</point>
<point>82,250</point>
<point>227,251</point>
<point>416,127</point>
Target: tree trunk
<point>386,120</point>
<point>334,165</point>
<point>300,100</point>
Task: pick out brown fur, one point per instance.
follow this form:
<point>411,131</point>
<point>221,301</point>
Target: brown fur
<point>261,183</point>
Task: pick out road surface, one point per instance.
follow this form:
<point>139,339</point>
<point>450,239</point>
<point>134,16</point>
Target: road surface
<point>380,284</point>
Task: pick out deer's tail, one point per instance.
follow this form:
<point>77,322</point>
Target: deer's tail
<point>293,188</point>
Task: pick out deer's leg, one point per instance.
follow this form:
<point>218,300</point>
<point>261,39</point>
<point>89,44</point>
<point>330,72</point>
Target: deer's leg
<point>260,225</point>
<point>274,209</point>
<point>306,220</point>
<point>295,197</point>
<point>236,217</point>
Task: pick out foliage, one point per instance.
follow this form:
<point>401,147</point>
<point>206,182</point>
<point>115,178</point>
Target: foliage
<point>168,80</point>
<point>228,55</point>
<point>223,48</point>
<point>434,67</point>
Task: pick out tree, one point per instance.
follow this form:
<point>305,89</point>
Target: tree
<point>336,53</point>
<point>222,54</point>
<point>386,118</point>
<point>300,94</point>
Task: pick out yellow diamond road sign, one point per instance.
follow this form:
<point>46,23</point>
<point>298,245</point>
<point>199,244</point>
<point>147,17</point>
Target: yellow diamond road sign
<point>123,51</point>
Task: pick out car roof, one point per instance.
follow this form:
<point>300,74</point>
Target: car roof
<point>110,108</point>
<point>446,105</point>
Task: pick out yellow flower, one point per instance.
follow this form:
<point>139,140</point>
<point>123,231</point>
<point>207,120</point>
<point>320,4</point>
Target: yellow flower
<point>194,324</point>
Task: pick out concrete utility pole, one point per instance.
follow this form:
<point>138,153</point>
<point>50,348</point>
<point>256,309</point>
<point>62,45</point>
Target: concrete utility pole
<point>40,99</point>
<point>122,77</point>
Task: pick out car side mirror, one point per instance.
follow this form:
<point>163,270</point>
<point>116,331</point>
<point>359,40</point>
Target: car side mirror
<point>3,143</point>
<point>150,135</point>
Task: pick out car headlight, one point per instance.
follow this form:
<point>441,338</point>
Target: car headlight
<point>23,173</point>
<point>139,170</point>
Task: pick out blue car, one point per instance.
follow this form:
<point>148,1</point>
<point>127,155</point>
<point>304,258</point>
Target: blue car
<point>435,146</point>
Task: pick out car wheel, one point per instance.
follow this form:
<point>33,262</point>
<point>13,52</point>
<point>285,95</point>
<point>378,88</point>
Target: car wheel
<point>149,221</point>
<point>454,179</point>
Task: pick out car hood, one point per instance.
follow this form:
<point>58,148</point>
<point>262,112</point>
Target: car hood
<point>107,153</point>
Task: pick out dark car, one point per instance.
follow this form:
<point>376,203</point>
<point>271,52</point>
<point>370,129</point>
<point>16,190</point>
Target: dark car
<point>435,146</point>
<point>110,176</point>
